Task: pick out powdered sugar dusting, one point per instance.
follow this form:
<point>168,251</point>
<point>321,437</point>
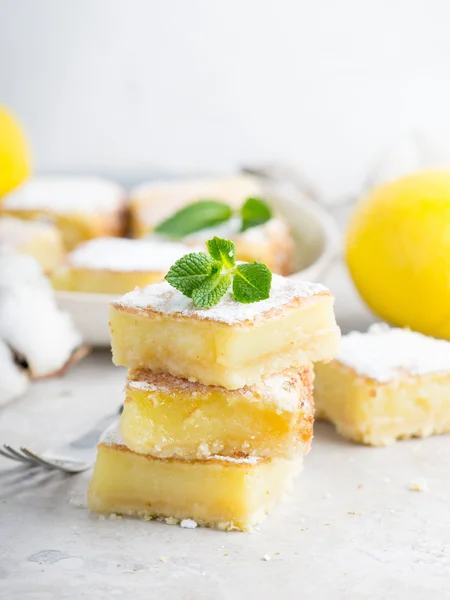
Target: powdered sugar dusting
<point>119,254</point>
<point>64,195</point>
<point>113,437</point>
<point>384,354</point>
<point>231,229</point>
<point>248,460</point>
<point>163,298</point>
<point>15,232</point>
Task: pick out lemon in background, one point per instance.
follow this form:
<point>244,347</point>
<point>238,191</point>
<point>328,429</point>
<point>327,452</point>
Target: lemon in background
<point>14,153</point>
<point>398,252</point>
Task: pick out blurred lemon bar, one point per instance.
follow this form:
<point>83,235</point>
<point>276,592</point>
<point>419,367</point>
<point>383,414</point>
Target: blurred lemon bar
<point>81,207</point>
<point>116,265</point>
<point>231,344</point>
<point>222,492</point>
<point>42,241</point>
<point>151,203</point>
<point>167,416</point>
<point>271,243</point>
<point>386,384</point>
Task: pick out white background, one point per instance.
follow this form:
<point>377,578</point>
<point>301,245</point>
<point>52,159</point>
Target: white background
<point>134,85</point>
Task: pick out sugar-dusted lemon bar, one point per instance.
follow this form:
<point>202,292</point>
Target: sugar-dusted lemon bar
<point>116,265</point>
<point>221,492</point>
<point>42,241</point>
<point>167,416</point>
<point>385,385</point>
<point>81,207</point>
<point>271,243</point>
<point>152,203</point>
<point>231,344</point>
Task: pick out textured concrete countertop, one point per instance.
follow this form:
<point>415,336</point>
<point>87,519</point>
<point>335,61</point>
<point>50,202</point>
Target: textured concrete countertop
<point>352,530</point>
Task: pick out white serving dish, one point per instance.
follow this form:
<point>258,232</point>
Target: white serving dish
<point>316,238</point>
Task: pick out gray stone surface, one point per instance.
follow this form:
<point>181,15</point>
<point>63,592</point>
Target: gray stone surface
<point>352,530</point>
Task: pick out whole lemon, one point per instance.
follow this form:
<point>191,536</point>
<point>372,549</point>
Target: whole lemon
<point>14,153</point>
<point>398,252</point>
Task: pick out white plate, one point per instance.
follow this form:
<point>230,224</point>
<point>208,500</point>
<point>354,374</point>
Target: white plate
<point>316,239</point>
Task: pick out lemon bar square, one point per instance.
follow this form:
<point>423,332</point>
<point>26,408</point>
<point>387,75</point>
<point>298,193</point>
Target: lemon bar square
<point>81,207</point>
<point>151,203</point>
<point>166,416</point>
<point>229,345</point>
<point>116,265</point>
<point>220,492</point>
<point>386,384</point>
<point>271,243</point>
<point>42,241</point>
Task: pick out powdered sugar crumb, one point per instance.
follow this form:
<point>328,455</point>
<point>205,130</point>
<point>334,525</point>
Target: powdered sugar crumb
<point>163,298</point>
<point>120,254</point>
<point>385,353</point>
<point>418,485</point>
<point>248,460</point>
<point>188,524</point>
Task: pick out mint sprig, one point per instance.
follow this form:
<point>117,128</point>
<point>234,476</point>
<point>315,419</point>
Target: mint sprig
<point>206,278</point>
<point>208,213</point>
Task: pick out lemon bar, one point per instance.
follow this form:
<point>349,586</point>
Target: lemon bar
<point>229,345</point>
<point>42,241</point>
<point>152,203</point>
<point>81,207</point>
<point>167,416</point>
<point>221,492</point>
<point>116,265</point>
<point>386,384</point>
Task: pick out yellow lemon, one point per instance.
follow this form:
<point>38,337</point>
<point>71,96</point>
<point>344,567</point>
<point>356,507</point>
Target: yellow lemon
<point>398,252</point>
<point>14,153</point>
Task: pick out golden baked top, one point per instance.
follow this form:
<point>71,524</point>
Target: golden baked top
<point>161,298</point>
<point>287,390</point>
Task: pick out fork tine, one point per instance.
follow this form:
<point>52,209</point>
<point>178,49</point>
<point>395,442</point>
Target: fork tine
<point>37,459</point>
<point>9,452</point>
<point>8,455</point>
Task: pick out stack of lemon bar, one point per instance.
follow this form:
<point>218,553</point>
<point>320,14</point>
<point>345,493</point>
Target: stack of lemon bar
<point>219,409</point>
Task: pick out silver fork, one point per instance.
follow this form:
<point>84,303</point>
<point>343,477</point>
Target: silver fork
<point>75,457</point>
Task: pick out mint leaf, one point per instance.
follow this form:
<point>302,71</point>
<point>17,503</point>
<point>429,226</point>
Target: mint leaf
<point>251,282</point>
<point>211,291</point>
<point>254,212</point>
<point>194,217</point>
<point>190,271</point>
<point>222,250</point>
